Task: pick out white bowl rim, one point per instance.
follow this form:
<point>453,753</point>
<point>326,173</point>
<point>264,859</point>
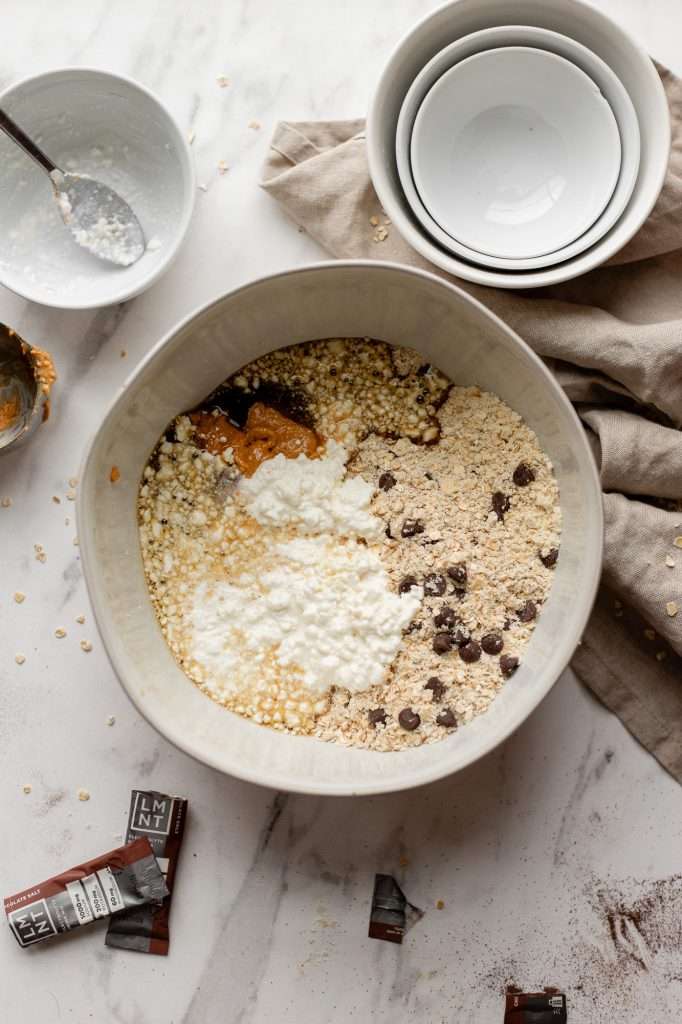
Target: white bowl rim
<point>188,203</point>
<point>576,75</point>
<point>610,215</point>
<point>294,784</point>
<point>517,279</point>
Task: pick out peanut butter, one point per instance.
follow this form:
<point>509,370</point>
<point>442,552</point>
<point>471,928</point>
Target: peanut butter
<point>267,433</point>
<point>9,412</point>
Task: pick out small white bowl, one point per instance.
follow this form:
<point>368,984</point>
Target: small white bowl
<point>524,35</point>
<point>515,152</point>
<point>576,19</point>
<point>116,130</point>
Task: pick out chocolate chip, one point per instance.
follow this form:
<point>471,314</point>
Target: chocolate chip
<point>461,637</point>
<point>523,475</point>
<point>507,624</point>
<point>445,618</point>
<point>413,627</point>
<point>376,716</point>
<point>508,665</point>
<point>386,481</point>
<point>458,574</point>
<point>549,560</point>
<point>406,584</point>
<point>500,505</point>
<point>447,719</point>
<point>528,612</point>
<point>442,643</point>
<point>434,585</point>
<point>409,719</point>
<point>387,531</point>
<point>411,527</point>
<point>437,688</point>
<point>470,652</point>
<point>492,643</point>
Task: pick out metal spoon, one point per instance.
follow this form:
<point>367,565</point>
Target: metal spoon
<point>99,220</point>
<point>26,376</point>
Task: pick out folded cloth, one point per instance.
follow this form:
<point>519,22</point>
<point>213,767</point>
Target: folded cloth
<point>613,338</point>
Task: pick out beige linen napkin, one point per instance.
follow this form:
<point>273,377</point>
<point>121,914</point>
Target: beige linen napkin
<point>614,340</point>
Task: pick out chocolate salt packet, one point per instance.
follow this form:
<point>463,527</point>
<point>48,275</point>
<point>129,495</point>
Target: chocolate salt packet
<point>547,1007</point>
<point>392,914</point>
<point>161,820</point>
<point>111,884</point>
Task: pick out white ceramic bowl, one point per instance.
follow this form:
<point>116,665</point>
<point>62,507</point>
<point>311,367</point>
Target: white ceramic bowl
<point>116,130</point>
<point>515,152</point>
<point>572,18</point>
<point>520,35</point>
<point>338,299</point>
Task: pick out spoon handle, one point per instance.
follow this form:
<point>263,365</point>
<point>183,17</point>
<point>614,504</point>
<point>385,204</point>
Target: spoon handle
<point>12,129</point>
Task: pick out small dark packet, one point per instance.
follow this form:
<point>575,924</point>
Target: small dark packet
<point>123,878</point>
<point>535,1008</point>
<point>392,914</point>
<point>161,820</point>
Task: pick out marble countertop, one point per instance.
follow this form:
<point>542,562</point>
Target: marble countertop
<point>553,857</point>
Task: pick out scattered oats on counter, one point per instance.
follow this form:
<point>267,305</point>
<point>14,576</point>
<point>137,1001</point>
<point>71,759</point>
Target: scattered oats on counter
<point>73,481</point>
<point>111,720</point>
<point>19,597</point>
<point>670,561</point>
<point>254,125</point>
<point>83,794</point>
<point>114,474</point>
<point>678,542</point>
<point>60,633</point>
<point>71,495</point>
<point>442,512</point>
<point>86,646</point>
<point>223,81</point>
<point>20,658</point>
<point>671,608</point>
<point>80,619</point>
<point>5,502</point>
<point>56,500</point>
<point>27,788</point>
<point>223,167</point>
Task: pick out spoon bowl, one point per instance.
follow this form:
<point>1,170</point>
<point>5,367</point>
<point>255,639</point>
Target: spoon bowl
<point>98,218</point>
<point>26,376</point>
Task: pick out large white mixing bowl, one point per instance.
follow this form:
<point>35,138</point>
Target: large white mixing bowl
<point>339,299</point>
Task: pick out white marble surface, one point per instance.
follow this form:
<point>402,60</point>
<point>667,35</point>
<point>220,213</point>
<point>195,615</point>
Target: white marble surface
<point>270,917</point>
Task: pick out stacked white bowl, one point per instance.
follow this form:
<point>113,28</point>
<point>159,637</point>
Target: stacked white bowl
<point>518,155</point>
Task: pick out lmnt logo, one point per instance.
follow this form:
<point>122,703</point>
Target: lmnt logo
<point>151,814</point>
<point>33,923</point>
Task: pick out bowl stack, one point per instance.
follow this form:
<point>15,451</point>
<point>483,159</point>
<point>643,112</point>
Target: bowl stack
<point>518,155</point>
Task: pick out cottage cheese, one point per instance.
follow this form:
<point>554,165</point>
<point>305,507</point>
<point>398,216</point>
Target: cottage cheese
<point>324,610</point>
<point>312,494</point>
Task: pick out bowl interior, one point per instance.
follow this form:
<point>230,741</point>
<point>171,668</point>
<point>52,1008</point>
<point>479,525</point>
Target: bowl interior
<point>353,299</point>
<point>95,123</point>
<point>553,42</point>
<point>515,152</point>
<point>576,20</point>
